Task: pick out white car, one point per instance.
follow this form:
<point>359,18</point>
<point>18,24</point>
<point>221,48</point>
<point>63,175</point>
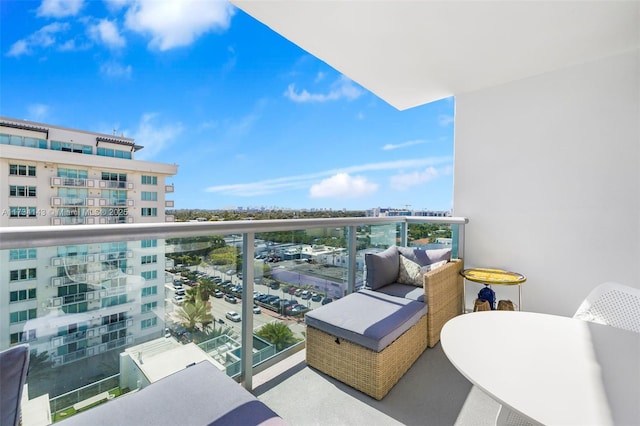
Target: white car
<point>256,309</point>
<point>233,316</point>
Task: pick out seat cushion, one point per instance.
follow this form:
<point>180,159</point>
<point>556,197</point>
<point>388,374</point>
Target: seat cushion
<point>369,318</point>
<point>198,395</point>
<point>406,291</point>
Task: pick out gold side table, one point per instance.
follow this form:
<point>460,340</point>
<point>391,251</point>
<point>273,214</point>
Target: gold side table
<point>489,276</point>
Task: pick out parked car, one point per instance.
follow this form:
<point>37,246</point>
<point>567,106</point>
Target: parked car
<point>316,297</point>
<point>298,292</point>
<point>305,295</point>
<point>218,294</point>
<point>292,290</point>
<point>230,298</point>
<point>327,300</point>
<point>274,286</point>
<point>233,316</point>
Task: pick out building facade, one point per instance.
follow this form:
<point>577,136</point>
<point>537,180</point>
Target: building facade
<point>74,302</point>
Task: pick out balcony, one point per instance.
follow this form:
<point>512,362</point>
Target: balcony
<point>307,258</point>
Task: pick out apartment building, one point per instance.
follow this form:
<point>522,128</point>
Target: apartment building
<point>78,301</point>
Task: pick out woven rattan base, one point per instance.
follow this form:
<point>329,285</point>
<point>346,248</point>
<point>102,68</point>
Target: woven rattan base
<point>373,373</point>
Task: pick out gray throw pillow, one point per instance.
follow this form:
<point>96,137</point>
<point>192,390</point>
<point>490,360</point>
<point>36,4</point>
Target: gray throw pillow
<point>382,268</point>
<point>425,257</point>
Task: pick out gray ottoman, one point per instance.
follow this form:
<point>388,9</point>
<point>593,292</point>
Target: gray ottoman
<point>367,339</point>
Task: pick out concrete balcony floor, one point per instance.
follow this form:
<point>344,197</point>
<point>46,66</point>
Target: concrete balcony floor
<point>432,392</point>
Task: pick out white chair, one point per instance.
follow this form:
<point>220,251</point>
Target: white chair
<point>612,304</point>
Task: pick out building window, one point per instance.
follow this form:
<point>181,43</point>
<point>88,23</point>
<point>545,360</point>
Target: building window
<point>147,307</point>
<point>22,170</point>
<point>116,153</point>
<point>149,180</point>
<point>22,212</point>
<point>149,211</point>
<point>117,177</point>
<point>114,318</point>
<point>114,300</point>
<point>22,141</point>
<point>22,274</point>
<point>150,275</point>
<point>22,254</point>
<point>22,191</point>
<point>149,196</point>
<point>22,316</point>
<point>71,147</point>
<point>72,173</point>
<point>148,323</point>
<point>149,243</point>
<point>145,260</point>
<point>22,336</point>
<point>149,291</point>
<point>21,295</point>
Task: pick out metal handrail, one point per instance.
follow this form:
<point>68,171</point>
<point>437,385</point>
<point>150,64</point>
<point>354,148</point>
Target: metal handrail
<point>42,236</point>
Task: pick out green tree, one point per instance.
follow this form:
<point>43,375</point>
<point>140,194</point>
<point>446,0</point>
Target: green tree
<point>279,334</point>
<point>190,314</point>
<point>206,288</point>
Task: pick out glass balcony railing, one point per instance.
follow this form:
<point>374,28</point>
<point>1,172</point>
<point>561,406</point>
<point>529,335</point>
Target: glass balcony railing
<point>233,292</point>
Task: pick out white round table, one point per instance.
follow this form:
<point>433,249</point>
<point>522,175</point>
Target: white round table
<point>554,370</point>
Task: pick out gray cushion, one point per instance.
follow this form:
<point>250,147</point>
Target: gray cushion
<point>369,318</point>
<point>382,268</point>
<point>404,290</point>
<point>197,395</point>
<point>425,257</point>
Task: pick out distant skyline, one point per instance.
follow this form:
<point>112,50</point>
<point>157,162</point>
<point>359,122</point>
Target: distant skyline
<point>251,119</point>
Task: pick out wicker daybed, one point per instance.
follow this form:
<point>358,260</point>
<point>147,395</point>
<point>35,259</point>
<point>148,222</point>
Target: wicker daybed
<point>370,339</point>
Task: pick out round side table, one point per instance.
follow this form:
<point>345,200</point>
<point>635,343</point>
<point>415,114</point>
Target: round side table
<point>489,276</point>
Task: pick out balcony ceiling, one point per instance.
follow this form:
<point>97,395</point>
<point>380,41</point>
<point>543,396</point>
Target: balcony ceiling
<point>413,52</point>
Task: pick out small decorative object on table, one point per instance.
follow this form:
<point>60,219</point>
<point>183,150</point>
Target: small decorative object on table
<point>488,277</point>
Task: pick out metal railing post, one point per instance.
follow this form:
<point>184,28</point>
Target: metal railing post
<point>246,354</point>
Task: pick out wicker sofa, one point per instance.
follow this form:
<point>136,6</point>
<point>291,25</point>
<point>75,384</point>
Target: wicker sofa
<point>370,339</point>
<point>441,288</point>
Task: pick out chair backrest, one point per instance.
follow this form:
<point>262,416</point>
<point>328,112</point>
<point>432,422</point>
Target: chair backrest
<point>14,363</point>
<point>612,304</point>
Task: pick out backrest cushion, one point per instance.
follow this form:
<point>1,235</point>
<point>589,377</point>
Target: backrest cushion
<point>425,257</point>
<point>382,268</point>
<point>409,272</point>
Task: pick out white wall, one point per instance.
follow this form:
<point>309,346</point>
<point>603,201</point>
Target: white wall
<point>548,171</point>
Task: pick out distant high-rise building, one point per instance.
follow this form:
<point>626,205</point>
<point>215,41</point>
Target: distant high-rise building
<point>76,301</point>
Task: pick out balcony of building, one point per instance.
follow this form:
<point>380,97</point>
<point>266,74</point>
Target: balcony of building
<point>546,166</point>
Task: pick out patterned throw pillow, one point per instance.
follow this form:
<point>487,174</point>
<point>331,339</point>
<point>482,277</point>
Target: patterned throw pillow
<point>409,272</point>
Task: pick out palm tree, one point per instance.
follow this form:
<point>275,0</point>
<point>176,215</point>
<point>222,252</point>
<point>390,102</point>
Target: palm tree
<point>193,313</point>
<point>279,334</point>
<point>206,288</point>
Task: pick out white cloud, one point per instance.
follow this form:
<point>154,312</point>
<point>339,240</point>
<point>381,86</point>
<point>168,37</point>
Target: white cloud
<point>271,186</point>
<point>445,120</point>
<point>391,146</point>
<point>342,185</point>
<point>44,37</point>
<point>59,8</point>
<point>38,112</point>
<point>154,136</point>
<point>343,88</point>
<point>106,32</point>
<point>113,69</point>
<point>177,23</point>
<point>404,181</point>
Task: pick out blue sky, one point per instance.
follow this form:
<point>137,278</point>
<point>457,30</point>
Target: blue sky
<point>250,118</point>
